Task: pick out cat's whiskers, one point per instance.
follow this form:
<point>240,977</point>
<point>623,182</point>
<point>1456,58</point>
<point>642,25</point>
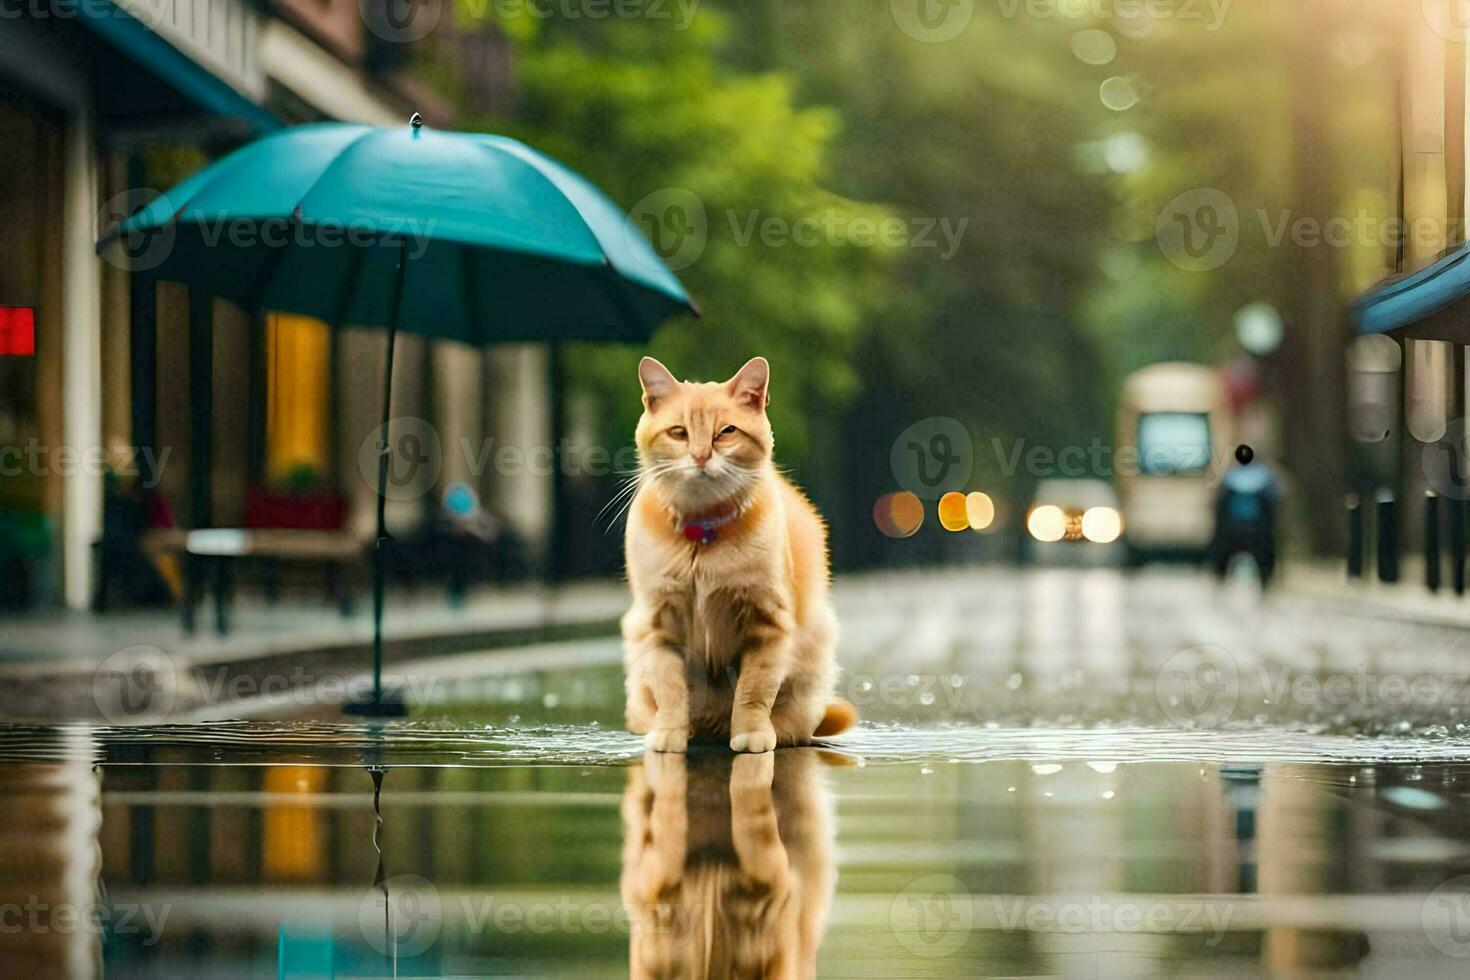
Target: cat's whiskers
<point>624,496</point>
<point>625,492</point>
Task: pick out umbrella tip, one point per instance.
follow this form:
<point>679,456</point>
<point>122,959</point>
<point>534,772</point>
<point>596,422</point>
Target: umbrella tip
<point>416,121</point>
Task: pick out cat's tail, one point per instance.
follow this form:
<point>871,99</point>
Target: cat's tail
<point>839,717</point>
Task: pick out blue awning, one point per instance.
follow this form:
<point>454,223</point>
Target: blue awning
<point>135,41</point>
<point>1431,304</point>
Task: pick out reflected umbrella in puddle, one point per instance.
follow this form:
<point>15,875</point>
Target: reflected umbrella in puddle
<point>380,875</point>
<point>727,863</point>
<point>401,915</point>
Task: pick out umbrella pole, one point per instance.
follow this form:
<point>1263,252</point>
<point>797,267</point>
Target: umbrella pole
<point>379,705</point>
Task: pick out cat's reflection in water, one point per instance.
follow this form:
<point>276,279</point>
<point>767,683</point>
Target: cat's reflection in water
<point>727,864</point>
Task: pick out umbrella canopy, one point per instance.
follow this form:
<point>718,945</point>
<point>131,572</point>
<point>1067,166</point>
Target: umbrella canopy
<point>459,236</point>
<point>500,242</point>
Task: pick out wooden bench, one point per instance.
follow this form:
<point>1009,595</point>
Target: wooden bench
<point>214,553</point>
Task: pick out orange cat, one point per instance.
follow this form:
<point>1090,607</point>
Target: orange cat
<point>731,634</point>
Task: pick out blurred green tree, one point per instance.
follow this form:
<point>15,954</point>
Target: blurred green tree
<point>735,178</point>
<point>978,133</point>
<point>731,178</point>
<point>1026,162</point>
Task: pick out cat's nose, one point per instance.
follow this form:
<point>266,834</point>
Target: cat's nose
<point>701,458</point>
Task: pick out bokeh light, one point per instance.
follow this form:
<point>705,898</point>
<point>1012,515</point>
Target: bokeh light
<point>1047,523</point>
<point>1094,47</point>
<point>1125,153</point>
<point>979,511</point>
<point>1117,93</point>
<point>954,512</point>
<point>899,515</point>
<point>1102,525</point>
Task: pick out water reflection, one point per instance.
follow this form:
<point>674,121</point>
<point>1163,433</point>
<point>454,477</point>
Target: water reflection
<point>778,865</point>
<point>727,864</point>
<point>51,911</point>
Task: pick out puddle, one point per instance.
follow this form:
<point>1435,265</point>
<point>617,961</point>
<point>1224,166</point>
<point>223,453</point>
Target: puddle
<point>1014,867</point>
<point>511,828</point>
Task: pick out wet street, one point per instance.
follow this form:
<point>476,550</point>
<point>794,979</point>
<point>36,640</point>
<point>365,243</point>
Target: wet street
<point>1059,773</point>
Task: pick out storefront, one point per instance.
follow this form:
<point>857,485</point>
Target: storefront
<point>109,375</point>
<point>82,86</point>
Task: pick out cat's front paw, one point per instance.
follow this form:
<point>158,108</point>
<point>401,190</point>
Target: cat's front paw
<point>761,739</point>
<point>666,739</point>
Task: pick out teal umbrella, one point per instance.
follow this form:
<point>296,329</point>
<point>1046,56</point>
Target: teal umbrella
<point>462,236</point>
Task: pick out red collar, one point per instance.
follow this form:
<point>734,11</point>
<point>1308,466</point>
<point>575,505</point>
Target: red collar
<point>701,530</point>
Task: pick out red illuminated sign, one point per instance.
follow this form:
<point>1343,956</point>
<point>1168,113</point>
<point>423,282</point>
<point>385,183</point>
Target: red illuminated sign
<point>17,331</point>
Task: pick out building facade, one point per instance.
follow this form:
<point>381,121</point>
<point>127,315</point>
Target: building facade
<point>1406,368</point>
<point>109,377</point>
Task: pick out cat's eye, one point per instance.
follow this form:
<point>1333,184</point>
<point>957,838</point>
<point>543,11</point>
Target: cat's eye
<point>679,432</point>
<point>728,430</point>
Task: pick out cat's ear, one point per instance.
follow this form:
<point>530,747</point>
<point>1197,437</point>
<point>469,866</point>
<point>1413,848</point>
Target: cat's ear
<point>750,383</point>
<point>656,379</point>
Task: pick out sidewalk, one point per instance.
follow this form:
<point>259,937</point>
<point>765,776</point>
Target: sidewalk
<point>49,663</point>
<point>63,642</point>
<point>1407,600</point>
<point>423,623</point>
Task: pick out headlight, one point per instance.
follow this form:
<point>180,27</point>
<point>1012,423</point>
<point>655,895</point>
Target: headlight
<point>1102,525</point>
<point>1047,523</point>
<point>980,510</point>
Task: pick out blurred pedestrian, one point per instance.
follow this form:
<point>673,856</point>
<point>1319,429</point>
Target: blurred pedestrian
<point>1245,516</point>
